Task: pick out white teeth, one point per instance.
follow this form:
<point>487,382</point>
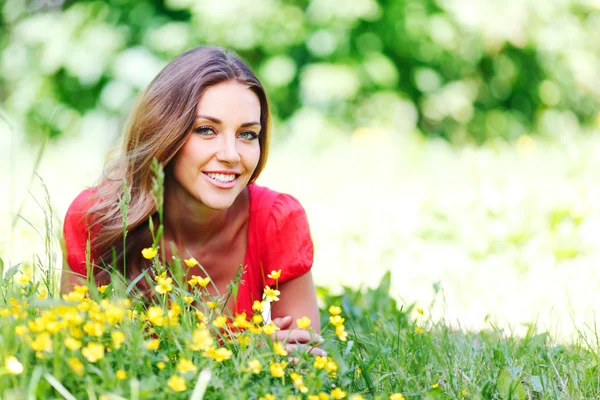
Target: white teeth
<point>223,178</point>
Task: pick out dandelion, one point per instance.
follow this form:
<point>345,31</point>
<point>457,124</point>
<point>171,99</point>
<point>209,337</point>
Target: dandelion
<point>93,352</point>
<point>13,365</point>
<point>270,328</point>
<point>191,262</point>
<point>277,369</point>
<point>185,365</point>
<point>271,294</point>
<point>335,310</point>
<point>254,366</point>
<point>76,366</point>
<point>149,253</point>
<point>338,393</point>
<point>397,396</point>
<point>152,344</point>
<point>419,330</point>
<point>220,321</point>
<point>303,323</point>
<point>279,349</point>
<point>177,383</point>
<point>257,306</point>
<point>121,375</point>
<point>274,274</point>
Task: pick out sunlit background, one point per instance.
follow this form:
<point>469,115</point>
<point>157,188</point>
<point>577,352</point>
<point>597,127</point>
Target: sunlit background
<point>452,142</point>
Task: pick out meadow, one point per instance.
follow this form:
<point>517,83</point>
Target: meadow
<point>460,273</point>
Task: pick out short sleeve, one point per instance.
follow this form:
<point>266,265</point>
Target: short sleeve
<point>289,246</point>
<point>75,231</point>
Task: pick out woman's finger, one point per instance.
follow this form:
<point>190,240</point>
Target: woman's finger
<point>297,336</point>
<point>314,351</point>
<point>283,322</point>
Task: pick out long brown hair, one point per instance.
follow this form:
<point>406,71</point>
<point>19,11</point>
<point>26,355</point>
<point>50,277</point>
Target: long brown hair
<point>158,126</point>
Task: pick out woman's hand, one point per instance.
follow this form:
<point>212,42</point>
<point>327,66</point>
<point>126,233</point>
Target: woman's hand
<point>297,339</point>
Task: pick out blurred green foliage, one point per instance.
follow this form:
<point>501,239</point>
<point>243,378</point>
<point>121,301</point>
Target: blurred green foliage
<point>464,70</point>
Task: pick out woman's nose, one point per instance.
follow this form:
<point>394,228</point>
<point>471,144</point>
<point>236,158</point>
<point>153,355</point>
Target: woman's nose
<point>228,153</point>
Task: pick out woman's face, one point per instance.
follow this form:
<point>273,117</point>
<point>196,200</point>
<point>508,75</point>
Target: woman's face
<point>218,158</point>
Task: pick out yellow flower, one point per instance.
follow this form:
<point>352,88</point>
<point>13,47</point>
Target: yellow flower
<point>341,333</point>
<point>43,293</point>
<point>102,289</point>
<point>463,393</point>
<point>336,320</point>
<point>330,366</point>
<point>335,310</point>
<point>93,352</point>
<point>24,278</point>
<point>271,294</point>
<point>188,299</point>
<point>160,365</point>
<point>244,340</point>
<point>303,323</point>
<point>155,315</point>
<point>203,281</point>
<point>437,385</point>
<point>338,393</point>
<point>219,355</point>
<point>20,330</point>
<point>153,344</point>
<point>270,328</point>
<point>254,366</point>
<point>277,369</point>
<point>43,342</point>
<point>76,366</point>
<point>121,375</point>
<point>356,397</point>
<point>72,344</point>
<point>279,349</point>
<point>257,319</point>
<point>191,262</point>
<point>220,321</point>
<point>185,365</point>
<point>149,253</point>
<point>267,396</point>
<point>275,274</point>
<point>13,365</point>
<point>257,306</point>
<point>118,338</point>
<point>419,330</point>
<point>420,311</point>
<point>177,383</point>
<point>240,321</point>
<point>164,285</point>
<point>212,304</point>
<point>397,396</point>
<point>320,362</point>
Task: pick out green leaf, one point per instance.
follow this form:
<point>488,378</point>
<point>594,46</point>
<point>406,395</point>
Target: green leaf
<point>509,388</point>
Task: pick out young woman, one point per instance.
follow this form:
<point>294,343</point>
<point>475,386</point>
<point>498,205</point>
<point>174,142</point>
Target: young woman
<point>205,118</point>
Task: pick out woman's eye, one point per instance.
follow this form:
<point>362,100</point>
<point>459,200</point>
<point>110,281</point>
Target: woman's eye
<point>205,131</point>
<point>249,135</point>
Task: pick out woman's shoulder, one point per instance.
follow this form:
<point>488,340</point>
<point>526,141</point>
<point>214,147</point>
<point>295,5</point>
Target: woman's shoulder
<point>267,201</point>
<point>80,205</point>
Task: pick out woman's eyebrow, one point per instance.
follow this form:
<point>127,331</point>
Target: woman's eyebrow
<point>218,121</point>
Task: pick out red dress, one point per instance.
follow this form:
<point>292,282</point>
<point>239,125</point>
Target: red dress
<point>278,238</point>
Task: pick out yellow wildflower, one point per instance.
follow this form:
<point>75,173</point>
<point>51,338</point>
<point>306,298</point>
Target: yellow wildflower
<point>420,311</point>
<point>212,304</point>
<point>219,355</point>
<point>164,286</point>
<point>244,340</point>
<point>20,330</point>
<point>275,274</point>
<point>338,393</point>
<point>335,310</point>
<point>303,323</point>
<point>102,289</point>
<point>152,344</point>
<point>270,328</point>
<point>118,337</point>
<point>271,294</point>
<point>203,281</point>
<point>437,385</point>
<point>240,321</point>
<point>257,306</point>
<point>267,396</point>
<point>277,369</point>
<point>320,362</point>
<point>220,321</point>
<point>254,366</point>
<point>43,293</point>
<point>121,375</point>
<point>188,299</point>
<point>341,333</point>
<point>24,278</point>
<point>177,383</point>
<point>298,382</point>
<point>185,365</point>
<point>336,320</point>
<point>155,315</point>
<point>72,344</point>
<point>93,352</point>
<point>202,340</point>
<point>76,366</point>
<point>255,329</point>
<point>356,397</point>
<point>191,262</point>
<point>149,253</point>
<point>419,330</point>
<point>78,294</point>
<point>330,366</point>
<point>463,393</point>
<point>397,396</point>
<point>279,349</point>
<point>13,366</point>
<point>160,365</point>
<point>43,342</point>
